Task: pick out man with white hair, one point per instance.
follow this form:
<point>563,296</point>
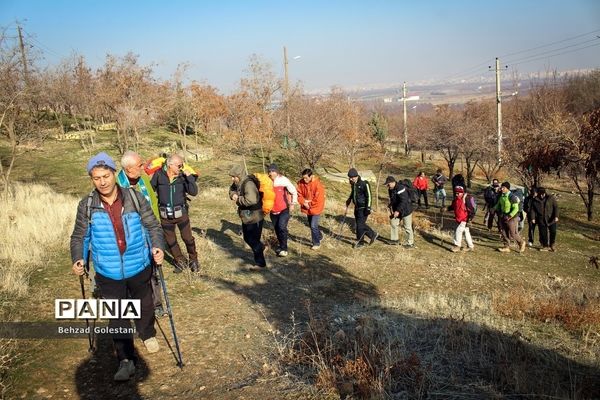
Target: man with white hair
<point>172,184</point>
<point>132,175</point>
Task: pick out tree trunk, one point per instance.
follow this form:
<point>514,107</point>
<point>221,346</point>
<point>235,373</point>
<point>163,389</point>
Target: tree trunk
<point>590,195</point>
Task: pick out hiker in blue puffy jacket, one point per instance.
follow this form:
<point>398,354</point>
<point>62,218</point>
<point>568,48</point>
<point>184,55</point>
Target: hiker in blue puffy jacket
<point>122,236</point>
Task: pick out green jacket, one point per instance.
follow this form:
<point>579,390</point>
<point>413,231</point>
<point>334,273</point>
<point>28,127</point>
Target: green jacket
<point>143,186</point>
<point>507,207</point>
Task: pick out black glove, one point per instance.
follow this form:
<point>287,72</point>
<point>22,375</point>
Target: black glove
<point>367,212</point>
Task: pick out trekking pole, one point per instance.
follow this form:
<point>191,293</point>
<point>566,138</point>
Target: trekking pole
<point>170,312</point>
<point>342,225</point>
<point>87,321</point>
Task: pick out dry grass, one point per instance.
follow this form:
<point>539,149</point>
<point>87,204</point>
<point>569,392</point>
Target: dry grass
<point>575,308</point>
<point>433,346</point>
<point>33,220</point>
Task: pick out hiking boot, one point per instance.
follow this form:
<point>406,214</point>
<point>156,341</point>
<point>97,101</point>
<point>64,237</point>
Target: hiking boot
<point>374,238</point>
<point>358,245</point>
<point>455,249</point>
<point>315,247</point>
<point>393,242</point>
<point>553,249</point>
<point>522,247</point>
<point>180,265</point>
<point>159,311</point>
<point>282,253</point>
<point>409,246</point>
<point>126,370</point>
<point>504,249</point>
<point>467,249</point>
<point>194,266</point>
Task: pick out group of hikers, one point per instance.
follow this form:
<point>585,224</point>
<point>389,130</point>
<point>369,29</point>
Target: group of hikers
<point>129,220</point>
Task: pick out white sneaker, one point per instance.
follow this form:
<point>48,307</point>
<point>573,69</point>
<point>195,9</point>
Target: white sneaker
<point>152,345</point>
<point>282,253</point>
<point>529,244</point>
<point>316,247</point>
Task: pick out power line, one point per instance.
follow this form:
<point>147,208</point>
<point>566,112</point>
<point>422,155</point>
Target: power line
<point>551,44</point>
<point>558,54</point>
<point>551,51</point>
<point>469,71</point>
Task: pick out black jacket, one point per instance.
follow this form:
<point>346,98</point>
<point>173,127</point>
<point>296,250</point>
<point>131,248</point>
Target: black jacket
<point>360,195</point>
<point>400,200</point>
<point>544,210</point>
<point>171,194</point>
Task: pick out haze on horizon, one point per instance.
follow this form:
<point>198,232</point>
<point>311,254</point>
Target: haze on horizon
<point>344,43</point>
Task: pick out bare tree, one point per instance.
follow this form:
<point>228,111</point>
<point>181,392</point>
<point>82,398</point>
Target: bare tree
<point>18,120</point>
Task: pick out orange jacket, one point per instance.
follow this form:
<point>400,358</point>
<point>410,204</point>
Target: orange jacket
<point>314,192</point>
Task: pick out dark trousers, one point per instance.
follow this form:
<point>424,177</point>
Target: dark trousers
<point>491,214</point>
<point>252,234</point>
<point>136,287</point>
<point>362,229</point>
<point>280,224</point>
<point>531,231</point>
<point>423,193</point>
<point>185,228</point>
<point>315,234</point>
<point>544,230</point>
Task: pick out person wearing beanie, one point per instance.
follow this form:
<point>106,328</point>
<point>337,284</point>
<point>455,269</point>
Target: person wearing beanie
<point>360,195</point>
<point>400,209</point>
<point>116,227</point>
<point>545,215</point>
<point>244,191</point>
<point>507,209</point>
<point>286,196</point>
<point>462,217</point>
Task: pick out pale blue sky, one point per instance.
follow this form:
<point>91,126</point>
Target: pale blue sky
<point>343,43</point>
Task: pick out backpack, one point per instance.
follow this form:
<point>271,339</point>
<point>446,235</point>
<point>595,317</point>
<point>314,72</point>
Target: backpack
<point>265,187</point>
<point>517,196</point>
<point>471,203</point>
<point>413,193</point>
<point>490,195</point>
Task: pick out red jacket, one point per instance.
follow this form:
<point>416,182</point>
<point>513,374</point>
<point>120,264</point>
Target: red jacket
<point>421,182</point>
<point>315,193</point>
<point>460,208</point>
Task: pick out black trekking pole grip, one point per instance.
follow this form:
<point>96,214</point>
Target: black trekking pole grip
<point>170,313</point>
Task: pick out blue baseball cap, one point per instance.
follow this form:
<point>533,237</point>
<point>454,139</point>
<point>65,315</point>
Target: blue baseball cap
<point>101,160</point>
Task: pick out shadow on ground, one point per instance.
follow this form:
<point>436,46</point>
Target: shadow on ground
<point>449,358</point>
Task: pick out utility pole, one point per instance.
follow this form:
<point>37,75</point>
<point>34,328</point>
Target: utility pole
<point>498,109</point>
<point>404,109</point>
<point>286,88</point>
<point>23,58</point>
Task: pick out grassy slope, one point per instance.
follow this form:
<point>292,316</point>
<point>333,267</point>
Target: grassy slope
<point>227,318</point>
